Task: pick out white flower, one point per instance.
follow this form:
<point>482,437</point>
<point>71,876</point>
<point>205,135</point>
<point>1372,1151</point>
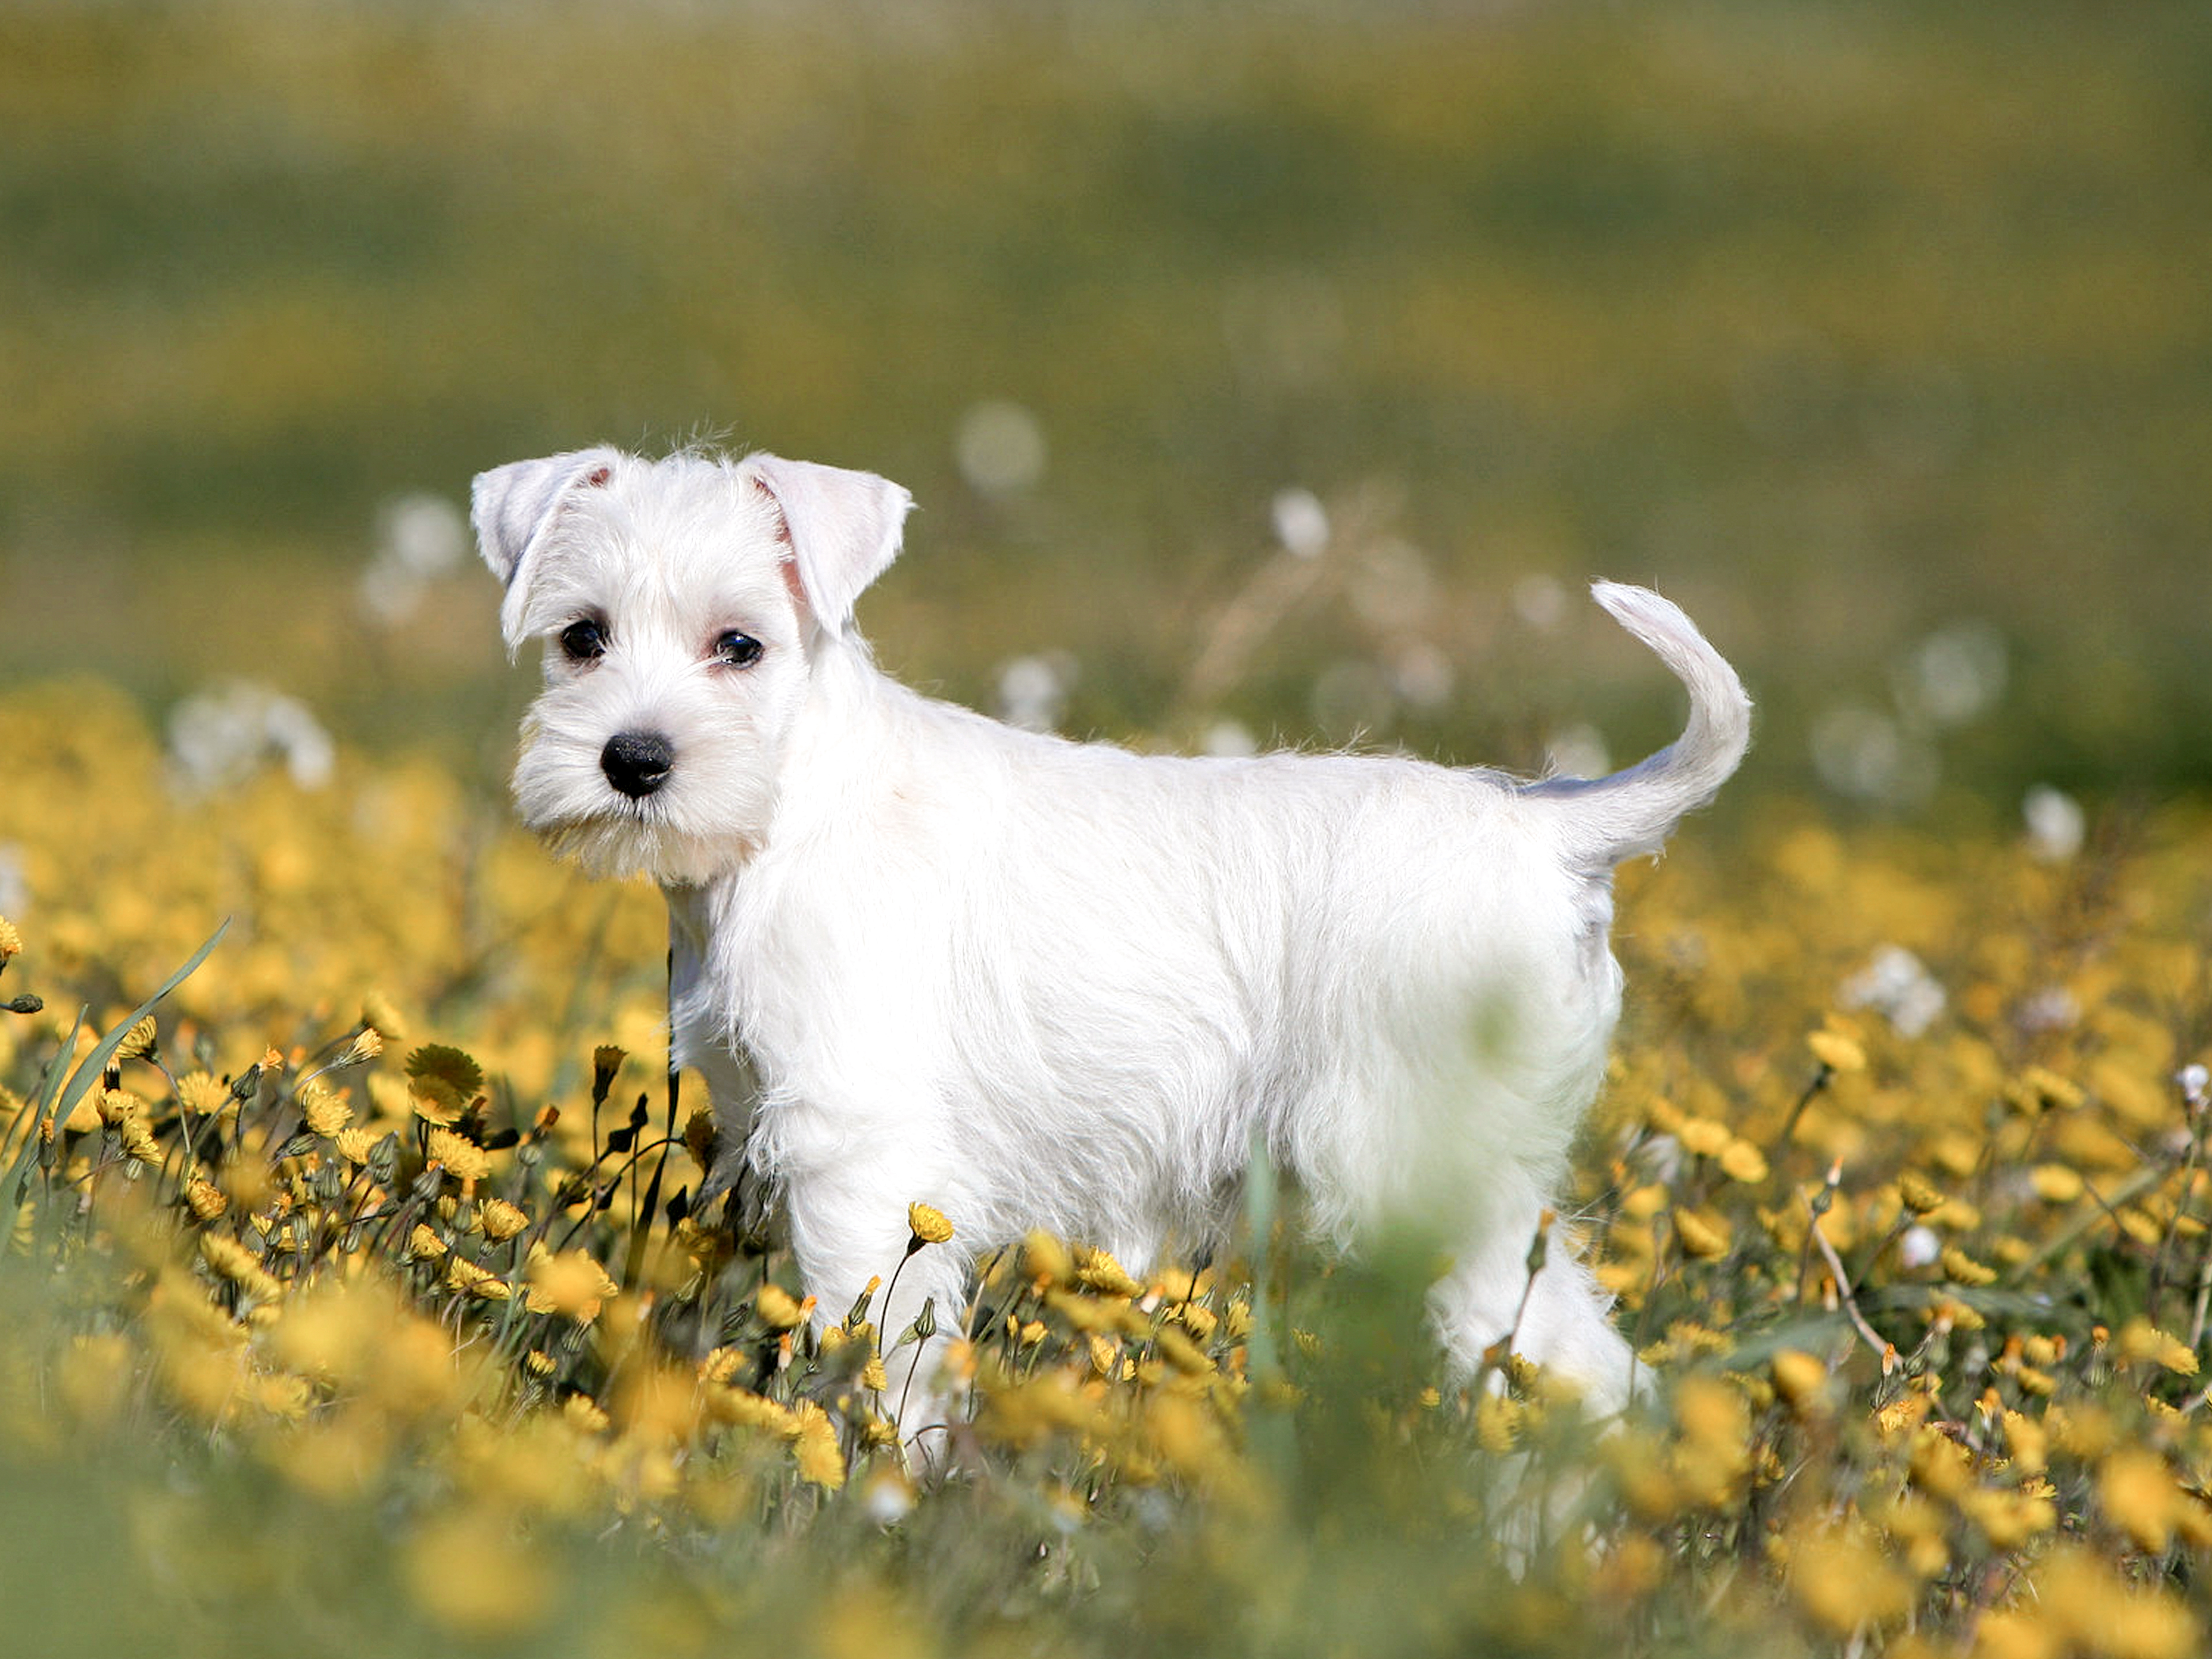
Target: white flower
<point>1898,986</point>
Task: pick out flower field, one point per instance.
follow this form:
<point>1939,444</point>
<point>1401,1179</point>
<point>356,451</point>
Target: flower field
<point>356,1299</point>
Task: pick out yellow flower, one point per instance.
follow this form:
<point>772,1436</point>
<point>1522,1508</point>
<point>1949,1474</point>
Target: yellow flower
<point>324,1112</point>
<point>1497,1420</point>
<point>927,1223</point>
<point>1801,1379</point>
<point>423,1244</point>
<point>11,942</point>
<point>2138,1495</point>
<point>1919,1194</point>
<point>472,1278</point>
<point>1045,1257</point>
<point>571,1283</point>
<point>442,1081</point>
<point>1962,1269</point>
<point>1702,1137</point>
<point>204,1199</point>
<point>1836,1051</point>
<point>137,1042</point>
<point>1704,1238</point>
<point>1741,1161</point>
<point>233,1262</point>
<point>366,1045</point>
<point>1101,1271</point>
<point>464,1160</point>
<point>820,1461</point>
<point>501,1220</point>
<point>2056,1183</point>
<point>1842,1579</point>
<point>2140,1341</point>
<point>777,1308</point>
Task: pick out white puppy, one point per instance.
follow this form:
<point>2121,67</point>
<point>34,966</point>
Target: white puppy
<point>921,955</point>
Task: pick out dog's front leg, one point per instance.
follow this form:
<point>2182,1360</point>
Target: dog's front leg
<point>699,1038</point>
<point>850,1227</point>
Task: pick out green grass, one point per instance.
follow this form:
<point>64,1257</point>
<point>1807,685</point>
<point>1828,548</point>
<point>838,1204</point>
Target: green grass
<point>1843,322</point>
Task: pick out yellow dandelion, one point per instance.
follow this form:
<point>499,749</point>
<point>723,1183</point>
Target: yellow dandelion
<point>1802,1380</point>
<point>323,1112</point>
<point>1705,1238</point>
<point>777,1308</point>
<point>1843,1580</point>
<point>1101,1271</point>
<point>1741,1161</point>
<point>442,1083</point>
<point>745,1409</point>
<point>1962,1269</point>
<point>355,1144</point>
<point>501,1220</point>
<point>1919,1194</point>
<point>472,1278</point>
<point>1199,1321</point>
<point>2138,1495</point>
<point>872,1375</point>
<point>201,1094</point>
<point>423,1244</point>
<point>204,1199</point>
<point>927,1223</point>
<point>138,1140</point>
<point>2094,1610</point>
<point>537,1363</point>
<point>606,1060</point>
<point>137,1042</point>
<point>571,1283</point>
<point>1703,1138</point>
<point>1497,1420</point>
<point>233,1262</point>
<point>463,1159</point>
<point>11,942</point>
<point>1836,1051</point>
<point>1044,1257</point>
<point>1180,1352</point>
<point>366,1045</point>
<point>2056,1183</point>
<point>819,1459</point>
<point>2141,1342</point>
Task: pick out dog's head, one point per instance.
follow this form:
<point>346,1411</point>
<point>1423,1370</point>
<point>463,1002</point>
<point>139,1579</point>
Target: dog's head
<point>685,605</point>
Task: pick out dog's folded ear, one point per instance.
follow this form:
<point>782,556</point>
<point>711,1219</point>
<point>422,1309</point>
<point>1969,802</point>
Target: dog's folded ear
<point>844,529</point>
<point>511,505</point>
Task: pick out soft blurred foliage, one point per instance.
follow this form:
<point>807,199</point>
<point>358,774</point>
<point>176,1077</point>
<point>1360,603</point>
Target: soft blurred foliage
<point>1877,333</point>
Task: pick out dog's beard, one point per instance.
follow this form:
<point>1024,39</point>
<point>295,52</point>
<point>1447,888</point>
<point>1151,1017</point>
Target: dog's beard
<point>702,824</point>
<point>630,841</point>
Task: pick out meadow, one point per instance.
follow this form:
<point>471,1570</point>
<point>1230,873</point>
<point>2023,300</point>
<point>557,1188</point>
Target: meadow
<point>1262,378</point>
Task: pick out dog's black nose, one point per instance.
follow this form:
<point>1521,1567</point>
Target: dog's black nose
<point>637,763</point>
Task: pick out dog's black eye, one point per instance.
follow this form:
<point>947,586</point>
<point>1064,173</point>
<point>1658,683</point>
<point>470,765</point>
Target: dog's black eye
<point>584,640</point>
<point>738,650</point>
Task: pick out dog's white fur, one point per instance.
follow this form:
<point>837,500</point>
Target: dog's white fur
<point>921,955</point>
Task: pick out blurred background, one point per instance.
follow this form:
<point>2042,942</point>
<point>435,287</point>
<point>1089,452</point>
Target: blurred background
<point>1263,374</point>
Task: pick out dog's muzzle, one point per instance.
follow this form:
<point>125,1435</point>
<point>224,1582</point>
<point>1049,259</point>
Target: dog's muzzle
<point>637,763</point>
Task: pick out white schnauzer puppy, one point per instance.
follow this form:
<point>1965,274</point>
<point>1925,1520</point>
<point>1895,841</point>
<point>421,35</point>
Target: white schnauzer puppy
<point>921,954</point>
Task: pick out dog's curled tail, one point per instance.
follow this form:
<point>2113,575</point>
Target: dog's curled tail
<point>1633,810</point>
